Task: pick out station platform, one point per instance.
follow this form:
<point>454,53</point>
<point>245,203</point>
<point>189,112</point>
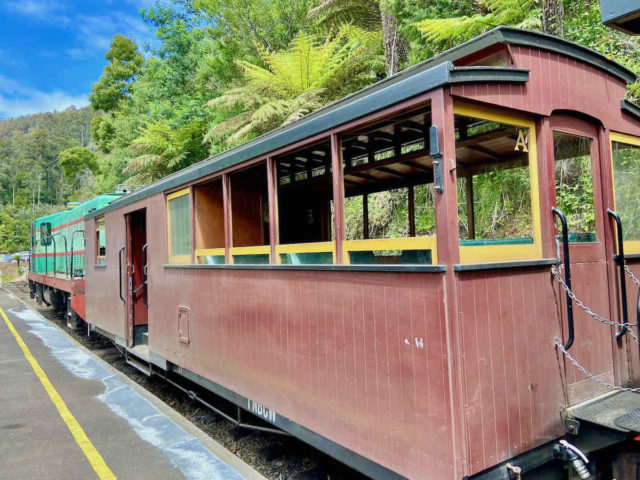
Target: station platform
<point>66,414</point>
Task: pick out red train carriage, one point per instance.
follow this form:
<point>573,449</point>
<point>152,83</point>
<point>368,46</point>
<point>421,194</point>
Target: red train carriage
<point>376,277</point>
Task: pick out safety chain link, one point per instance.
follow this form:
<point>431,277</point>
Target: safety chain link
<point>556,273</point>
<point>632,276</point>
<point>590,375</point>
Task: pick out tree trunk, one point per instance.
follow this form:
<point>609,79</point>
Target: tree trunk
<point>395,46</point>
<point>552,17</point>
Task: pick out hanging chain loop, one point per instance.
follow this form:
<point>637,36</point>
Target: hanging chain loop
<point>556,274</point>
<point>631,276</point>
<point>590,375</point>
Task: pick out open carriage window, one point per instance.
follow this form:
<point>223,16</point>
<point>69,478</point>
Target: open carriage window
<point>250,216</point>
<point>626,175</point>
<point>101,244</point>
<point>305,206</point>
<point>209,226</point>
<point>574,185</point>
<point>389,201</point>
<point>179,226</point>
<point>497,186</point>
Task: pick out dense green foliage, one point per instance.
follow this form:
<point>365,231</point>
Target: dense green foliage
<point>225,71</point>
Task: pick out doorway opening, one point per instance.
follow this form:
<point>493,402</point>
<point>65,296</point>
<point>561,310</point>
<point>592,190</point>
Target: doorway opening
<point>138,307</point>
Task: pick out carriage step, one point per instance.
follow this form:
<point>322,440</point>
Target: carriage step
<point>139,366</point>
<point>618,411</point>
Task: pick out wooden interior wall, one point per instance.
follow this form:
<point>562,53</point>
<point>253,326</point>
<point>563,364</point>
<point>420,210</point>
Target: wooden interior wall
<point>248,197</point>
<point>209,215</point>
<point>304,216</point>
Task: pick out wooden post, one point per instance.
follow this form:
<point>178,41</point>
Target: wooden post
<point>365,216</point>
<point>471,214</point>
<point>226,206</point>
<point>338,195</point>
<point>449,254</point>
<point>412,212</point>
<point>272,189</point>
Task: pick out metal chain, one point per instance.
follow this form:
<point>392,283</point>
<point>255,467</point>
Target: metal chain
<point>556,273</point>
<point>590,375</point>
<point>632,276</point>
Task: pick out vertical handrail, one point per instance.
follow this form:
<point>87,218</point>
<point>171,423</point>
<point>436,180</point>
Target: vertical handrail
<point>73,272</point>
<point>120,272</point>
<point>567,274</point>
<point>623,281</point>
<point>145,300</point>
<point>54,255</point>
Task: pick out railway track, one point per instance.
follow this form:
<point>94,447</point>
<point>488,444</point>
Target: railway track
<point>277,457</point>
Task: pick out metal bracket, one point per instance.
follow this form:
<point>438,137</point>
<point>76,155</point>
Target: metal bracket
<point>572,426</point>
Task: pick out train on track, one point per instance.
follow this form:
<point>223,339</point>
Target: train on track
<point>482,340</point>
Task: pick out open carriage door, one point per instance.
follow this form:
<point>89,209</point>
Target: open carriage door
<point>577,172</point>
<point>137,306</point>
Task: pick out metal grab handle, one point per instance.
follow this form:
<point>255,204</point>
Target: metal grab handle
<point>623,280</point>
<point>120,271</point>
<point>144,275</point>
<point>567,274</point>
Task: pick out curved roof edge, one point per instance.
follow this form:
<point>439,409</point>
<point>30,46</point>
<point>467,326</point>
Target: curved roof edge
<point>435,72</point>
<point>630,108</point>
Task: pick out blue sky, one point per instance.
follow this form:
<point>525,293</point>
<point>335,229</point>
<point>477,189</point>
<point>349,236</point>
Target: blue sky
<point>51,51</point>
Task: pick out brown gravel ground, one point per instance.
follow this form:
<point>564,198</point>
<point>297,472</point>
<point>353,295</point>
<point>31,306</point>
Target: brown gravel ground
<point>298,461</point>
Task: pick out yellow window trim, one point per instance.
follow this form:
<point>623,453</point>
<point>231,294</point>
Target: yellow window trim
<point>630,246</point>
<point>319,247</point>
<point>498,253</point>
<point>406,243</point>
<point>210,252</point>
<point>177,259</point>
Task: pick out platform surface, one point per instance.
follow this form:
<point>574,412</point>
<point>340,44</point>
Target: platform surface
<point>136,435</point>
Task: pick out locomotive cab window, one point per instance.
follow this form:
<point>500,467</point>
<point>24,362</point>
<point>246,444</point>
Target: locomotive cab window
<point>389,200</point>
<point>498,202</point>
<point>209,226</point>
<point>250,216</point>
<point>574,185</point>
<point>179,226</point>
<point>101,245</point>
<point>626,177</point>
<point>305,206</point>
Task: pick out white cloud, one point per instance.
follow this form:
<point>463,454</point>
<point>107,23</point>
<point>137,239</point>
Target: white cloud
<point>95,33</point>
<point>17,99</point>
<point>50,11</point>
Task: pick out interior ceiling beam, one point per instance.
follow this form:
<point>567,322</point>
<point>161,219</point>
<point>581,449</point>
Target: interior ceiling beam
<point>413,126</point>
<point>484,151</point>
<point>390,171</point>
<point>484,137</point>
<point>419,167</point>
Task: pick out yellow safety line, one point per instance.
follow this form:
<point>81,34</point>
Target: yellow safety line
<point>94,457</point>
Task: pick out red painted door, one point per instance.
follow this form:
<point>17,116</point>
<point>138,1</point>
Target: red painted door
<point>136,276</point>
<point>580,195</point>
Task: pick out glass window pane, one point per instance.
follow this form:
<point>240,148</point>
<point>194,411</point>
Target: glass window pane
<point>626,176</point>
<point>574,185</point>
<point>180,226</point>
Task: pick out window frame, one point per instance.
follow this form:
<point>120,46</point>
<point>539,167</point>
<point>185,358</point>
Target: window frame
<point>100,225</point>
<point>507,253</point>
<point>178,259</point>
<point>630,246</point>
